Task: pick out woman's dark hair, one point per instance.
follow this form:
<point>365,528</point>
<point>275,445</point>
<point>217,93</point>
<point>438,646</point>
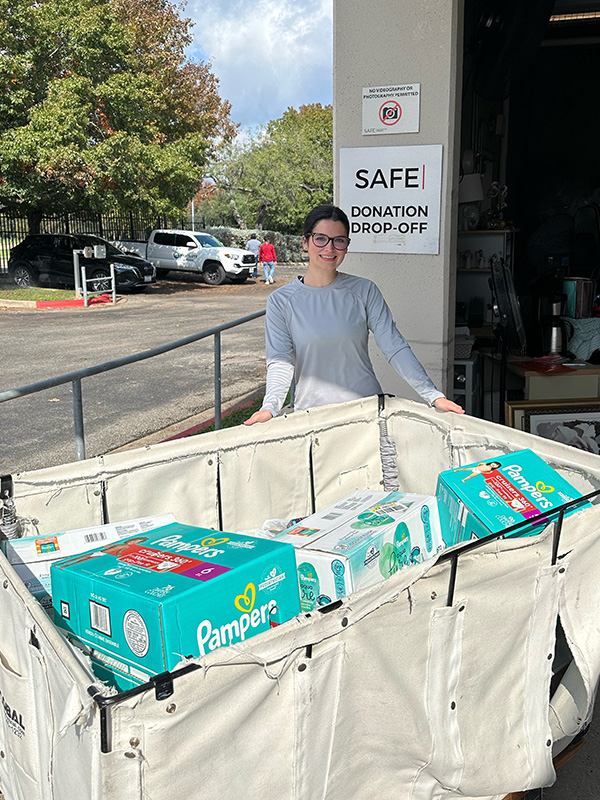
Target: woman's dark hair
<point>325,212</point>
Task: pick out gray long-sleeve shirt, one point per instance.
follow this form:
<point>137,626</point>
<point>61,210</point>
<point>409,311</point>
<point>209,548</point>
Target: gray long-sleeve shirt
<point>320,335</point>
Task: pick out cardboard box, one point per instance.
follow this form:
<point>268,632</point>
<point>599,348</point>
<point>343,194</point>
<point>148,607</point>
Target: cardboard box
<point>32,556</point>
<point>344,510</point>
<point>182,592</point>
<point>361,540</point>
<point>488,496</point>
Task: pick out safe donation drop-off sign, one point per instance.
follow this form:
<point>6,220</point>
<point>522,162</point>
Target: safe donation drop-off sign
<point>392,197</point>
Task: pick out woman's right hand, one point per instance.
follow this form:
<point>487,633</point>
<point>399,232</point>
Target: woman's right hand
<point>259,416</point>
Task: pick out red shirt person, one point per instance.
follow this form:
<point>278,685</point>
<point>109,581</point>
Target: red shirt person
<point>268,258</point>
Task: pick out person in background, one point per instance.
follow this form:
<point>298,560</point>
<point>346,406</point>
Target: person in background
<point>254,246</point>
<point>317,330</point>
<point>268,258</point>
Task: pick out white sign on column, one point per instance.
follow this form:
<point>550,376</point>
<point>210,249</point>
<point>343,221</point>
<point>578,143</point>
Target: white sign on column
<point>392,196</point>
<point>391,109</point>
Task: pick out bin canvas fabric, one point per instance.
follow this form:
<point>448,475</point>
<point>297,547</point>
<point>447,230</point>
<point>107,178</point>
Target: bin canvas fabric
<point>394,693</point>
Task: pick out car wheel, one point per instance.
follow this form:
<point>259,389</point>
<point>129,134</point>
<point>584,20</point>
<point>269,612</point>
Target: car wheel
<point>239,280</point>
<point>100,281</point>
<point>23,276</point>
<point>214,274</point>
<point>162,273</point>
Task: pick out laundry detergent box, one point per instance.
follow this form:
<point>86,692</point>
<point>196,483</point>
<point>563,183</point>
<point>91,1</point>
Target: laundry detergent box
<point>179,591</point>
<point>32,556</point>
<point>488,496</point>
<point>363,544</point>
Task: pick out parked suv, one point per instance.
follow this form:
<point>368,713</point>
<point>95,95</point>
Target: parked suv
<point>47,259</point>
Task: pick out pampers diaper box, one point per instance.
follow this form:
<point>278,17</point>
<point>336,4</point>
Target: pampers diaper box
<point>361,540</point>
<point>488,496</point>
<point>178,591</point>
<point>33,556</point>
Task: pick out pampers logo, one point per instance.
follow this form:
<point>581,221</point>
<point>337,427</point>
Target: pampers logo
<point>271,580</point>
<point>210,638</point>
<point>206,548</point>
<point>537,491</point>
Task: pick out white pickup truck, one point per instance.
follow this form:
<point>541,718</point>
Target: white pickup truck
<point>193,251</point>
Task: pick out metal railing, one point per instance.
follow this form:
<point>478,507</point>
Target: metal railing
<point>76,377</point>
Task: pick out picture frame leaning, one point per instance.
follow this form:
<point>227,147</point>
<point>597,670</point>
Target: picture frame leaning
<point>572,422</point>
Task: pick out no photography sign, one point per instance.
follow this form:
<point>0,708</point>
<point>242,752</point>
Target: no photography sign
<point>392,196</point>
<point>391,109</point>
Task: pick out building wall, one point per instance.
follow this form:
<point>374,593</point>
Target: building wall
<point>386,42</point>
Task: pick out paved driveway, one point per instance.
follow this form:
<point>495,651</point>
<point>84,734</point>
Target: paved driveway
<point>133,401</point>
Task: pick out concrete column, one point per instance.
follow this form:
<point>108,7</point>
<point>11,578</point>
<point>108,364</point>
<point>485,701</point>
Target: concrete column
<point>382,43</point>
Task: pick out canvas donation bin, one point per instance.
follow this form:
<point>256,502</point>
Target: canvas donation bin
<point>435,670</point>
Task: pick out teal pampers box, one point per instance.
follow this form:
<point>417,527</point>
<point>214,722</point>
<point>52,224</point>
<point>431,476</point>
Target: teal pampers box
<point>32,556</point>
<point>178,591</point>
<point>488,496</point>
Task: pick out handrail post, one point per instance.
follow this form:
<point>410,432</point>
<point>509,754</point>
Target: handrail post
<point>77,273</point>
<point>217,380</point>
<point>78,420</point>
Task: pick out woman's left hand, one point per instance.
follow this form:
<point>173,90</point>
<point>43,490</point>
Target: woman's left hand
<point>443,404</point>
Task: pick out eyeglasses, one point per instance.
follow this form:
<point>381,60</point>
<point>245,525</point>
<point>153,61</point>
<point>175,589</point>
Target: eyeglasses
<point>339,242</point>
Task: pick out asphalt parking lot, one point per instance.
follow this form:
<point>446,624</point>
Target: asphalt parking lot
<point>134,401</point>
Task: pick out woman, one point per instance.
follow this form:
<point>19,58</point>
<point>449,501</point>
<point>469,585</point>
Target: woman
<point>317,328</point>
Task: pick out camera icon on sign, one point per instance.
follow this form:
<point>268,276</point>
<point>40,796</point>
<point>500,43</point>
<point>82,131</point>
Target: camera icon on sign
<point>389,113</point>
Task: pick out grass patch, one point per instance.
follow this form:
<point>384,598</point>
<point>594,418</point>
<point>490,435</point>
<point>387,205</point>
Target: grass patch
<point>237,416</point>
<point>36,293</point>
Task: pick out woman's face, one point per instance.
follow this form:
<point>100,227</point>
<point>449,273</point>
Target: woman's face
<point>325,258</point>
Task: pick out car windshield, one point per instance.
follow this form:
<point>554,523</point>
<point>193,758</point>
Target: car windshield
<point>208,241</point>
<point>90,241</point>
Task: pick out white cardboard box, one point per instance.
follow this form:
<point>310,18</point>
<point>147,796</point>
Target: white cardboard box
<point>32,556</point>
<point>361,540</point>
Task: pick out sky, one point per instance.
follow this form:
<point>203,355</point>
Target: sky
<point>267,54</point>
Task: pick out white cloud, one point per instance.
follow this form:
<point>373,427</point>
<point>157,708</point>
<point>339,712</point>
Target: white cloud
<point>267,54</point>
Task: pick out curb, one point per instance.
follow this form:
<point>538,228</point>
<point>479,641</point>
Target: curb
<point>191,425</point>
<point>26,305</point>
<point>50,305</point>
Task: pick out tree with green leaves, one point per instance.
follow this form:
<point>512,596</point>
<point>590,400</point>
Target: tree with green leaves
<point>100,108</point>
<point>274,177</point>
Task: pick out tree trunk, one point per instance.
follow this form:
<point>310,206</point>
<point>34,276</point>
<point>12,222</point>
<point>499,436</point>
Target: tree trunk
<point>260,215</point>
<point>34,221</point>
<point>236,214</point>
